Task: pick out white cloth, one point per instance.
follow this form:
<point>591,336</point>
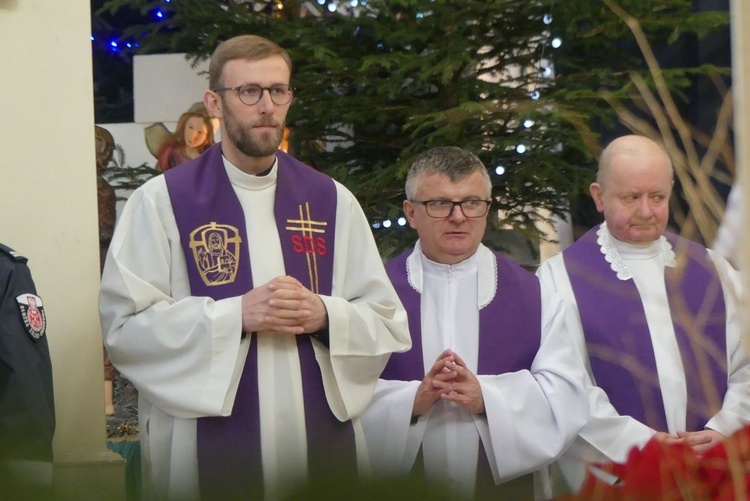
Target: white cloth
<point>184,353</point>
<point>730,234</point>
<point>609,436</point>
<point>531,415</point>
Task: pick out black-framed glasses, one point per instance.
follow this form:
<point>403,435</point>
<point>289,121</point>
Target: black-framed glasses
<point>251,94</point>
<point>444,208</point>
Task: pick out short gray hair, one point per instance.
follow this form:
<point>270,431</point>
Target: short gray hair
<point>451,161</point>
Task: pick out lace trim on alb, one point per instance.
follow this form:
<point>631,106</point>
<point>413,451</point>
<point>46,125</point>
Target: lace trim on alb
<point>616,262</point>
<point>494,290</point>
<point>408,275</point>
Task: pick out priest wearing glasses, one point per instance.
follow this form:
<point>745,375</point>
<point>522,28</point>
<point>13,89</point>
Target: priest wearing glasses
<point>492,389</point>
<point>235,299</point>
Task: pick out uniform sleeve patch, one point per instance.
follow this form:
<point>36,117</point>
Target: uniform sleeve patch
<point>32,314</point>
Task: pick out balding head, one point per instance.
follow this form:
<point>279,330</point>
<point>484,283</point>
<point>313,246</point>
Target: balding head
<point>632,146</point>
<point>632,189</point>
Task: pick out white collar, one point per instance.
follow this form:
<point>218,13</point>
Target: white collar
<point>247,181</point>
<point>616,252</point>
<point>486,271</point>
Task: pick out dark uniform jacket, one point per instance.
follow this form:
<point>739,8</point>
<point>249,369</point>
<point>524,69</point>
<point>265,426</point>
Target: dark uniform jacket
<point>27,412</point>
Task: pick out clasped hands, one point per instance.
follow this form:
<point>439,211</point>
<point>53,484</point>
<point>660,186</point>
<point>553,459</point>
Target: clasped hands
<point>283,306</point>
<point>700,441</point>
<point>448,379</point>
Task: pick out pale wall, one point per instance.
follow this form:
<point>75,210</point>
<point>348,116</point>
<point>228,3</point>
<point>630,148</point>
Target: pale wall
<point>165,86</point>
<point>49,213</point>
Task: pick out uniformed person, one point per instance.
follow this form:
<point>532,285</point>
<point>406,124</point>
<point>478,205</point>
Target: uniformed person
<point>27,408</point>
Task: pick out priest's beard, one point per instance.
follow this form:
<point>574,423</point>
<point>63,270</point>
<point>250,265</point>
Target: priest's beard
<point>241,136</point>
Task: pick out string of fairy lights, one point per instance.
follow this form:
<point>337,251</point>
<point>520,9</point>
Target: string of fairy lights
<point>111,41</point>
<point>333,5</point>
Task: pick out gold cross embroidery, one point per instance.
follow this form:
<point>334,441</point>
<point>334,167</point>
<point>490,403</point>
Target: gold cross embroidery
<point>307,227</point>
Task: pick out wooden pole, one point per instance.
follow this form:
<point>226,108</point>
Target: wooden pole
<point>740,17</point>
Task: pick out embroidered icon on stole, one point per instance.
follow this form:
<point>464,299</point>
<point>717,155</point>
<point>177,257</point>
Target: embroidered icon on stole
<point>216,249</point>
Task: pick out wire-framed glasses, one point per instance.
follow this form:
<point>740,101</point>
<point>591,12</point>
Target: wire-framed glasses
<point>251,94</point>
<point>444,208</point>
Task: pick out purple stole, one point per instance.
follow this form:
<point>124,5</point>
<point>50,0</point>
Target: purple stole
<point>212,230</point>
<point>619,342</point>
<point>510,330</point>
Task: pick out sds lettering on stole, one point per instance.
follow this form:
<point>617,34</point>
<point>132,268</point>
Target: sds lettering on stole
<point>309,245</point>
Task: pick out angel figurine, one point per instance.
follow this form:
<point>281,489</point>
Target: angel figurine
<point>193,135</point>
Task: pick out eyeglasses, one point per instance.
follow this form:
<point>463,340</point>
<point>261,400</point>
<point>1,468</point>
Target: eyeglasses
<point>251,94</point>
<point>444,208</point>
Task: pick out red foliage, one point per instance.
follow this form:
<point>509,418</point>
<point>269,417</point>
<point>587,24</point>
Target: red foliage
<point>661,472</point>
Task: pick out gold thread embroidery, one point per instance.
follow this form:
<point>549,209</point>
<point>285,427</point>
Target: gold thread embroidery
<point>216,250</point>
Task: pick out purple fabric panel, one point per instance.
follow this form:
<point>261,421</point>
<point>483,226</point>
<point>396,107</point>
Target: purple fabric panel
<point>230,465</point>
<point>201,193</point>
<point>617,337</point>
<point>619,343</point>
<point>307,245</point>
<point>306,215</point>
<point>407,366</point>
<point>331,447</point>
<point>510,330</point>
<point>692,289</point>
